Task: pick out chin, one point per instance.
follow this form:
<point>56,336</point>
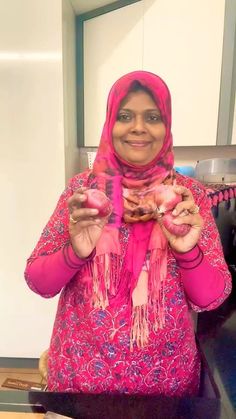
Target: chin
<point>139,162</point>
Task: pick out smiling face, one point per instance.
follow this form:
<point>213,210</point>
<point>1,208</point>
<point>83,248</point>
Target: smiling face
<point>138,133</point>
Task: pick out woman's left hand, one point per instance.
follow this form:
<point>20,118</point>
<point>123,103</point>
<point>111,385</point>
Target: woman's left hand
<point>186,212</point>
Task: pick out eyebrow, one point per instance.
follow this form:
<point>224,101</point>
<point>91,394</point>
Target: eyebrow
<point>146,110</point>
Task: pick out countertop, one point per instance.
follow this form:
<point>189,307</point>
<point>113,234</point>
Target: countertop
<point>113,407</point>
<point>18,415</point>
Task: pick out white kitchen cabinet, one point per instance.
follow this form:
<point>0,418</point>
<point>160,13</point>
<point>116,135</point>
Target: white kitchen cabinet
<point>181,41</point>
<point>112,47</point>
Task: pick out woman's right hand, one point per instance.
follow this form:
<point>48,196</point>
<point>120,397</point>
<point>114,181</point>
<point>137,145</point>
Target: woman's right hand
<point>85,227</point>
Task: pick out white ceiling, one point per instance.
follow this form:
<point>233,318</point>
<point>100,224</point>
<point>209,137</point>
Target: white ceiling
<point>82,6</point>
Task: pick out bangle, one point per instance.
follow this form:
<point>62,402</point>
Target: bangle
<point>200,255</point>
<point>67,258</point>
<point>70,262</point>
<point>191,260</point>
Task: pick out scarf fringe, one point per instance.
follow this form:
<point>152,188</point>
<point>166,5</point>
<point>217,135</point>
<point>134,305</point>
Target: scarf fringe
<point>139,330</point>
<point>101,281</point>
<point>157,277</point>
<point>105,272</point>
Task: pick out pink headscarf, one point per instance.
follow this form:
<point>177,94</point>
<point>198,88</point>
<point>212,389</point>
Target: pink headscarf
<point>109,168</point>
<point>141,279</point>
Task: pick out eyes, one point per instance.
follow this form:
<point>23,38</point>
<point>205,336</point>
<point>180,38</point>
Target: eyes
<point>152,117</point>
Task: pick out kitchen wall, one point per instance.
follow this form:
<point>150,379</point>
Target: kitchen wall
<point>69,89</point>
<point>234,124</point>
<point>32,162</point>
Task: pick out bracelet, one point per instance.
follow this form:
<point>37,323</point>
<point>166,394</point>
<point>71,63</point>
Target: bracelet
<point>68,260</point>
<point>201,255</point>
<point>191,260</point>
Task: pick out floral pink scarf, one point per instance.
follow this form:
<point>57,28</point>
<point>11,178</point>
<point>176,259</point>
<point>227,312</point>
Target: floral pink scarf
<point>141,279</point>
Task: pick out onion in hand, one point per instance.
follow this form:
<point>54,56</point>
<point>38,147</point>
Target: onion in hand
<point>98,200</point>
<point>166,200</point>
<point>177,230</point>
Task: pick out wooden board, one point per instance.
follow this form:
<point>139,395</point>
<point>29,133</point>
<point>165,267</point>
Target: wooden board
<point>15,415</point>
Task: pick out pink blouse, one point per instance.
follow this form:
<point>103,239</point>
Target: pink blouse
<point>89,349</point>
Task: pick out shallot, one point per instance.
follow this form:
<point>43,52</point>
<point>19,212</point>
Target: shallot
<point>98,200</point>
<point>177,230</point>
<point>166,200</point>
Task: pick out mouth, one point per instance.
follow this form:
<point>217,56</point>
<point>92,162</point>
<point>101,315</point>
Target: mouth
<point>138,144</point>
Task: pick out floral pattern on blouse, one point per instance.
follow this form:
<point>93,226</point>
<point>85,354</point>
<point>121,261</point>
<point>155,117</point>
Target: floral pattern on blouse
<point>90,348</point>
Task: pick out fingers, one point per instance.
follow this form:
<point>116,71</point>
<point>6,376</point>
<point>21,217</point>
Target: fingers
<point>187,212</point>
<point>72,220</point>
<point>188,241</point>
<point>195,209</point>
<point>186,206</point>
<point>185,192</point>
<point>82,214</point>
<point>85,216</point>
<point>76,199</point>
<point>87,223</point>
<point>76,225</point>
<point>195,220</point>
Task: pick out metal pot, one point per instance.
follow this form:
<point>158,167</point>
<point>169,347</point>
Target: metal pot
<point>218,170</point>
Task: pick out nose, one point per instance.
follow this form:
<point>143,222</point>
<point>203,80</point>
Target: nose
<point>138,125</point>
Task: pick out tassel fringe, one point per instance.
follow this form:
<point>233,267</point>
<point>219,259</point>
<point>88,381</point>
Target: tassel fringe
<point>106,270</point>
<point>139,327</point>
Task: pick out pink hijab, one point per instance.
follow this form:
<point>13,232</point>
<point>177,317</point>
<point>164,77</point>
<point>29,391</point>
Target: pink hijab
<point>142,271</point>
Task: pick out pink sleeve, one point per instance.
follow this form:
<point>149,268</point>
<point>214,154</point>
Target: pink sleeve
<point>48,274</point>
<point>202,283</point>
<point>208,282</point>
<point>53,262</point>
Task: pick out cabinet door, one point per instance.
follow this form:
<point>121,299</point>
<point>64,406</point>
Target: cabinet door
<point>183,43</point>
<point>234,126</point>
<point>112,47</point>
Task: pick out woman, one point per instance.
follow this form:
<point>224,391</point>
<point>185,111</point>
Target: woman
<point>123,323</point>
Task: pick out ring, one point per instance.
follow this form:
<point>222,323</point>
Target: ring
<point>157,212</point>
<point>195,210</point>
<point>72,220</point>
